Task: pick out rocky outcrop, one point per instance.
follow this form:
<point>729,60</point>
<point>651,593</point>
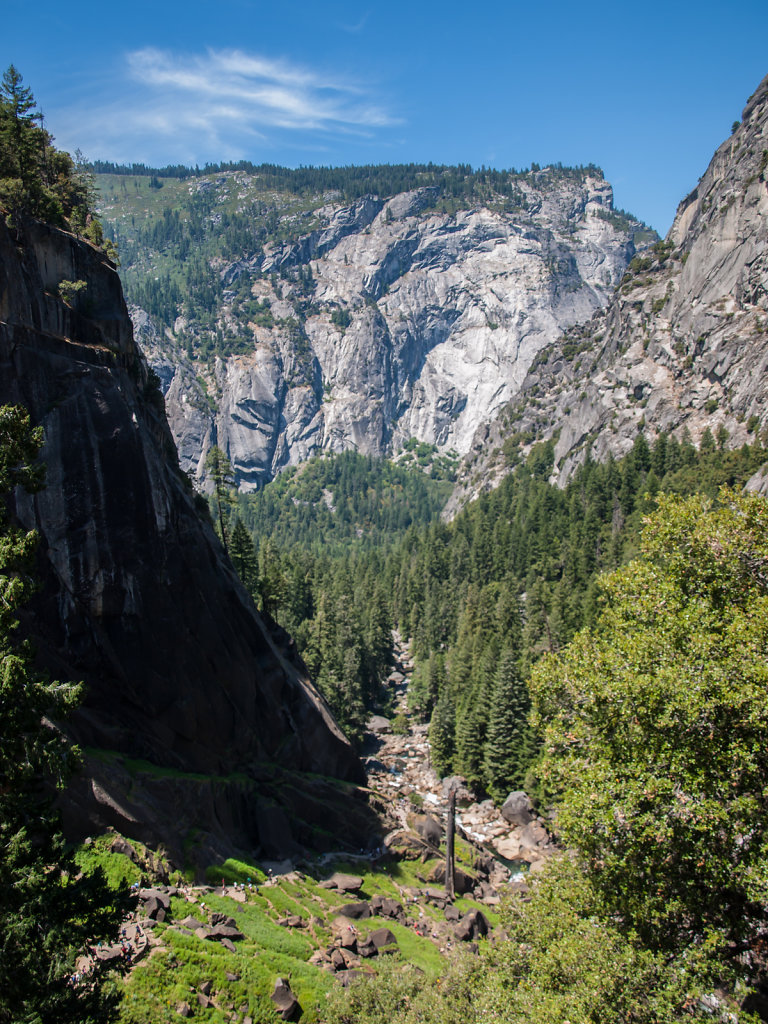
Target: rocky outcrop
<point>682,347</point>
<point>393,321</point>
<point>193,716</point>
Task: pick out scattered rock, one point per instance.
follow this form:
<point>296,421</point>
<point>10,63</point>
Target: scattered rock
<point>385,906</point>
<point>355,911</point>
<point>533,835</point>
<point>429,828</point>
<point>224,931</point>
<point>184,1009</point>
<point>286,1002</point>
<point>471,926</point>
<point>382,938</point>
<point>228,944</point>
<point>509,848</point>
<point>347,883</point>
<point>223,919</point>
<point>120,845</point>
<point>192,922</point>
<point>463,883</point>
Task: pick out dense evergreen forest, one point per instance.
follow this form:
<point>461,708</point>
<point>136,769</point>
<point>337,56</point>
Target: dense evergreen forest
<point>352,182</point>
<point>348,547</point>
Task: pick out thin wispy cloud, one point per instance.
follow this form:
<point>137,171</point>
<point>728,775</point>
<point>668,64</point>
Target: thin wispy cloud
<point>358,26</point>
<point>216,105</point>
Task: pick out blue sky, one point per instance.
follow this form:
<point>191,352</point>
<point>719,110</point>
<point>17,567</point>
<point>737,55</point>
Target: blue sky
<point>646,90</point>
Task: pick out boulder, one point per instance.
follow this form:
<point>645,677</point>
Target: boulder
<point>228,944</point>
<point>429,828</point>
<point>224,931</point>
<point>223,919</point>
<point>162,898</point>
<point>285,1001</point>
<point>184,1009</point>
<point>471,926</point>
<point>382,938</point>
<point>154,910</point>
<point>347,883</point>
<point>379,725</point>
<point>192,922</point>
<point>509,848</point>
<point>463,883</point>
<point>120,845</point>
<point>348,938</point>
<point>459,784</point>
<point>292,921</point>
<point>517,809</point>
<point>533,835</point>
<point>355,911</point>
<point>385,906</point>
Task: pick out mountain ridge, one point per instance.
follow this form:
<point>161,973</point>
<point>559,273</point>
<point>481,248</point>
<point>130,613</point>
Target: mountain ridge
<point>683,346</point>
<point>387,319</point>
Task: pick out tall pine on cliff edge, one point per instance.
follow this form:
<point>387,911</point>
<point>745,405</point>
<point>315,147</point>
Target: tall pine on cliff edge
<point>49,914</point>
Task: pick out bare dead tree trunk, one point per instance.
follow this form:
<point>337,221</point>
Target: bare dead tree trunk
<point>450,827</point>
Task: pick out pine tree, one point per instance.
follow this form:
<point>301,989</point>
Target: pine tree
<point>507,744</point>
<point>220,470</point>
<point>441,738</point>
<point>243,555</point>
<point>49,913</point>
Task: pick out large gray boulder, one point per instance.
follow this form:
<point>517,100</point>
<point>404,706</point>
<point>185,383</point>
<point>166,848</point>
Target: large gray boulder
<point>517,809</point>
<point>285,1001</point>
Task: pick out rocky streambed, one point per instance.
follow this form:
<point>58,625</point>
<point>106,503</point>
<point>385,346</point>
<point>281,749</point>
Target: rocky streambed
<point>510,839</point>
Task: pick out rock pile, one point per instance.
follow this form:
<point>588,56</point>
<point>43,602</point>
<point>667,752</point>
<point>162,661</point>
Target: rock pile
<point>398,767</point>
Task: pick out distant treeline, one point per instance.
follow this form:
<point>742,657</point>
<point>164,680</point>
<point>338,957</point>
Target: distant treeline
<point>356,181</point>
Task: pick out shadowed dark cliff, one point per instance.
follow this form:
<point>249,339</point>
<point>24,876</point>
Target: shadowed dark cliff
<point>195,722</point>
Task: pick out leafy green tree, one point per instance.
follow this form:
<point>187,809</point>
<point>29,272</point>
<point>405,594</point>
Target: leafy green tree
<point>49,913</point>
<point>656,723</point>
<point>566,961</point>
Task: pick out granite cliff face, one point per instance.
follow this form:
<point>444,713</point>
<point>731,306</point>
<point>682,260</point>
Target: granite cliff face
<point>392,321</point>
<point>197,716</point>
<point>682,346</point>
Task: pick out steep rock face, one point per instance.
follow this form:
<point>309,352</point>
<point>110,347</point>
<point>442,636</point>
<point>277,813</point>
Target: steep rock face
<point>416,324</point>
<point>683,345</point>
<point>138,598</point>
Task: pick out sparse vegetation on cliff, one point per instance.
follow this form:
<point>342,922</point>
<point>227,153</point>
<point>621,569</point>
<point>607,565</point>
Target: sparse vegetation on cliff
<point>36,179</point>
